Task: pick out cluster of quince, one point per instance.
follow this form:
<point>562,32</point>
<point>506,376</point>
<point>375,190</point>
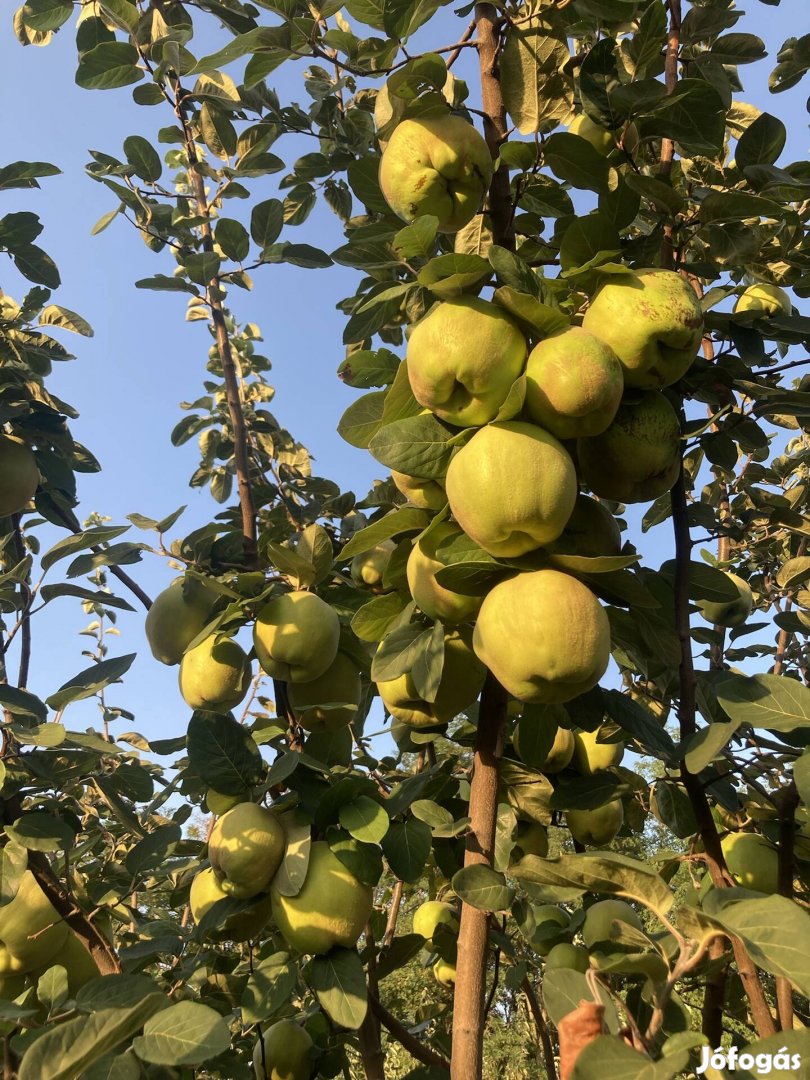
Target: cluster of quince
<point>296,639</point>
<point>580,407</point>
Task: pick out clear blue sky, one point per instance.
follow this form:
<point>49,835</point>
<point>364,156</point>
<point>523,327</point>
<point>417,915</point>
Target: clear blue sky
<point>144,358</point>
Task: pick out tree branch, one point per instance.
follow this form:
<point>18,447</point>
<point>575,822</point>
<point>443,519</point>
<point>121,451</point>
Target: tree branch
<point>414,1047</point>
<point>233,394</point>
<point>542,1028</point>
<point>470,989</point>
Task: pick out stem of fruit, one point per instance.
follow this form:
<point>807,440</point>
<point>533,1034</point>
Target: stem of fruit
<point>469,998</point>
<point>213,295</point>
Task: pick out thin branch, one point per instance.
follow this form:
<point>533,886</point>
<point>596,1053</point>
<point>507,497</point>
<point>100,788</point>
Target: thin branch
<point>414,1047</point>
<point>542,1028</point>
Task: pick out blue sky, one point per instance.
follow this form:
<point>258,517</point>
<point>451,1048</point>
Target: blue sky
<point>144,359</point>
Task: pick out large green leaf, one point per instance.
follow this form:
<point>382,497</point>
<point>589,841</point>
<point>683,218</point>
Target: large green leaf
<point>610,1058</point>
<point>65,1051</point>
<point>339,982</point>
<point>775,931</point>
<point>765,701</point>
<point>537,94</point>
<point>90,681</point>
<point>223,752</point>
<point>187,1033</point>
<point>483,888</point>
<point>406,846</point>
<point>596,872</point>
<point>109,65</point>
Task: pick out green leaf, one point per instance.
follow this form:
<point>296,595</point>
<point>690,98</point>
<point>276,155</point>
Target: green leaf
<point>572,158</point>
<point>537,94</point>
<point>613,875</point>
<point>774,930</point>
<point>483,888</point>
<point>587,242</point>
<point>417,241</point>
<point>365,819</point>
<point>693,115</point>
<point>143,158</point>
<point>52,987</point>
<point>706,744</point>
<point>537,318</point>
<point>764,701</point>
<point>51,592</point>
<point>639,724</point>
<point>22,703</point>
<point>793,572</point>
<point>24,174</point>
<point>762,142</point>
<point>404,520</point>
<point>368,368</point>
<point>362,420</point>
<point>564,989</point>
<point>447,276</point>
<point>293,871</point>
<point>223,752</point>
<point>418,446</point>
<point>609,1058</point>
<point>65,319</point>
<point>673,808</point>
<point>372,620</point>
<point>44,15</point>
<point>13,864</point>
<point>187,1033</point>
<point>738,49</point>
<point>37,265</point>
<point>266,221</point>
<point>339,983</point>
<point>270,986</point>
<point>80,541</point>
<point>406,847</point>
<point>202,267</point>
<point>232,237</point>
<point>64,1052</point>
<point>109,65</point>
<point>90,681</point>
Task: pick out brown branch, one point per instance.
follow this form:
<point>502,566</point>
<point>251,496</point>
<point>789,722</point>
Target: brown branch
<point>371,1051</point>
<point>542,1029</point>
<point>414,1047</point>
<point>495,127</point>
<point>687,713</point>
<point>470,989</point>
<point>785,636</point>
<point>230,375</point>
<point>788,802</point>
<point>25,640</point>
<point>393,914</point>
<point>70,521</point>
<point>667,145</point>
<point>465,37</point>
<point>102,952</point>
